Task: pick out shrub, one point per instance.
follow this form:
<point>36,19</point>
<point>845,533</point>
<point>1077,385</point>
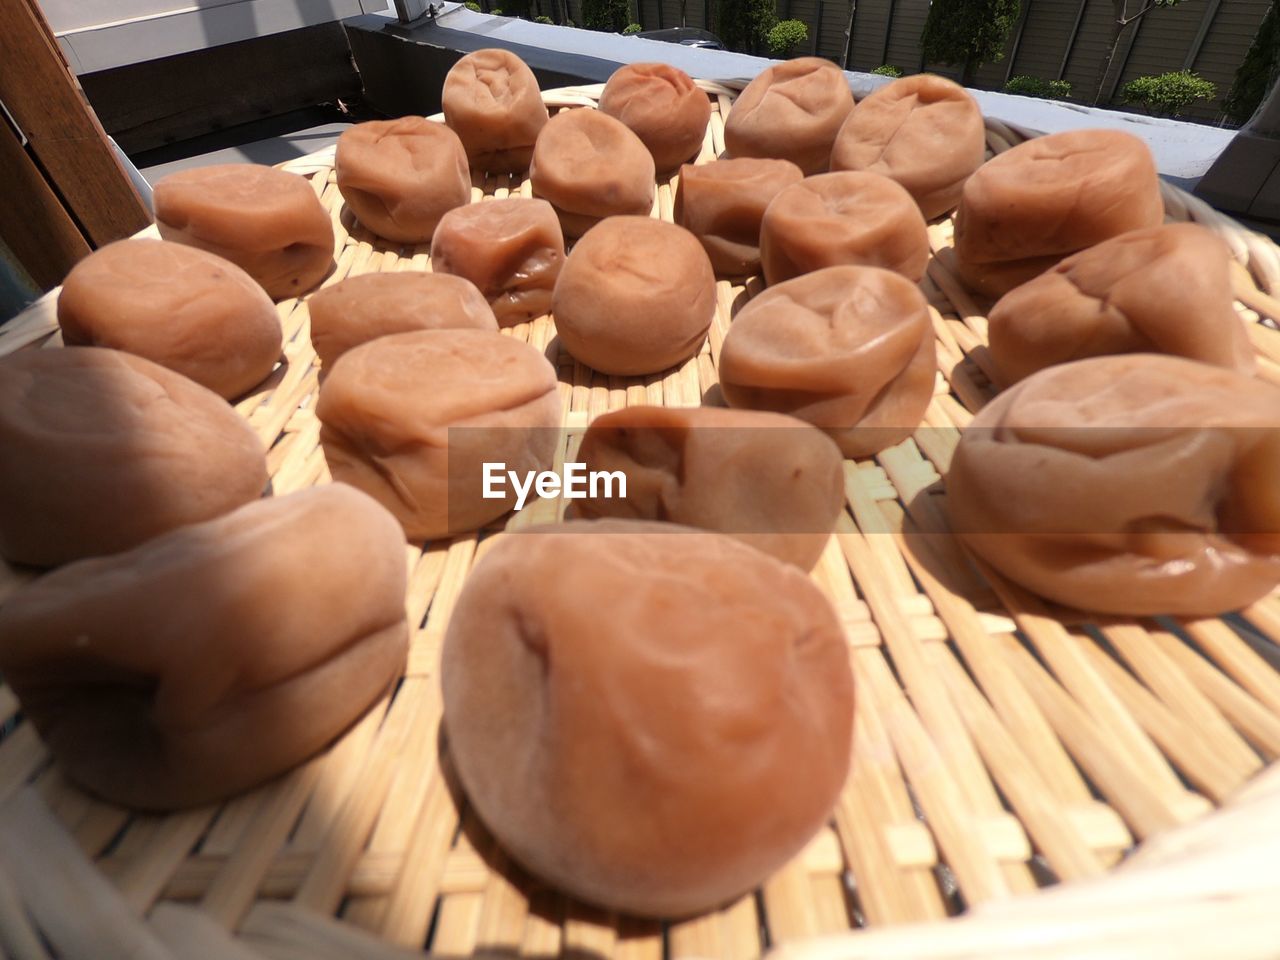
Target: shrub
<point>611,16</point>
<point>1258,72</point>
<point>1037,87</point>
<point>546,20</point>
<point>744,25</point>
<point>1168,93</point>
<point>785,35</point>
<point>472,5</point>
<point>887,70</point>
<point>967,32</point>
<point>632,28</point>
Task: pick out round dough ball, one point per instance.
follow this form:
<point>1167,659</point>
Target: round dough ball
<point>636,296</point>
<point>492,101</point>
<point>1137,484</point>
<point>372,305</point>
<point>412,418</point>
<point>197,314</point>
<point>399,177</point>
<point>590,166</point>
<point>211,659</point>
<point>791,111</point>
<point>1162,290</point>
<point>859,219</point>
<point>848,349</point>
<point>773,482</point>
<point>1050,197</point>
<point>722,203</point>
<point>511,249</point>
<point>268,222</point>
<point>663,746</point>
<point>662,106</point>
<point>101,450</point>
<point>923,132</point>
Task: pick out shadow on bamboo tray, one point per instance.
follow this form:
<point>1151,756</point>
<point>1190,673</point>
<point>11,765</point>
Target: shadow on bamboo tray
<point>999,749</point>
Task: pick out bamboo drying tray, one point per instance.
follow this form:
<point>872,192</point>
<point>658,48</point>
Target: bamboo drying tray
<point>998,749</point>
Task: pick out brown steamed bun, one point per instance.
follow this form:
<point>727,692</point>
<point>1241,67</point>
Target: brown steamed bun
<point>511,249</point>
<point>847,349</point>
<point>372,305</point>
<point>268,222</point>
<point>635,297</point>
<point>722,203</point>
<point>923,132</point>
<point>492,101</point>
<point>773,482</point>
<point>101,450</point>
<point>1048,198</point>
<point>668,757</point>
<point>1136,484</point>
<point>662,106</point>
<point>791,111</point>
<point>834,219</point>
<point>590,166</point>
<point>185,309</point>
<point>411,419</point>
<point>1162,290</point>
<point>215,657</point>
<point>399,177</point>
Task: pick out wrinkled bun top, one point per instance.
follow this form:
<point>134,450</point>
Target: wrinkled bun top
<point>791,111</point>
<point>101,450</point>
<point>590,166</point>
<point>923,131</point>
<point>771,481</point>
<point>511,249</point>
<point>411,418</point>
<point>492,101</point>
<point>847,349</point>
<point>373,305</point>
<point>1137,484</point>
<point>399,177</point>
<point>834,219</point>
<point>185,309</point>
<point>662,106</point>
<point>1054,195</point>
<point>673,762</point>
<point>266,221</point>
<point>722,203</point>
<point>636,296</point>
<point>1162,290</point>
<point>217,656</point>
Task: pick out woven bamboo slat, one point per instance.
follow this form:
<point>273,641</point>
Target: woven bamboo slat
<point>998,749</point>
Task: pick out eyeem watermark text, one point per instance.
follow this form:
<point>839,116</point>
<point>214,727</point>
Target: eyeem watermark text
<point>578,483</point>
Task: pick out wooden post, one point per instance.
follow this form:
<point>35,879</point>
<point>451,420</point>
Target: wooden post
<point>1017,38</point>
<point>66,175</point>
<point>1071,40</point>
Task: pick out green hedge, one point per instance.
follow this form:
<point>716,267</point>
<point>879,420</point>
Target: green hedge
<point>1168,93</point>
<point>1037,87</point>
<point>887,70</point>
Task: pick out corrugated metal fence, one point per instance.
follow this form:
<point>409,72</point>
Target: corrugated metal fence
<point>1055,39</point>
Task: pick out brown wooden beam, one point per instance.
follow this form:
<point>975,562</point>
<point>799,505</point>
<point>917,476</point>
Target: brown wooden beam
<point>64,136</point>
<point>33,223</point>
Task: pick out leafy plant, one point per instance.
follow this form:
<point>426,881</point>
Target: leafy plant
<point>1259,70</point>
<point>472,6</point>
<point>547,20</point>
<point>968,32</point>
<point>631,28</point>
<point>1038,87</point>
<point>744,25</point>
<point>611,16</point>
<point>785,35</point>
<point>887,70</point>
<point>1168,93</point>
